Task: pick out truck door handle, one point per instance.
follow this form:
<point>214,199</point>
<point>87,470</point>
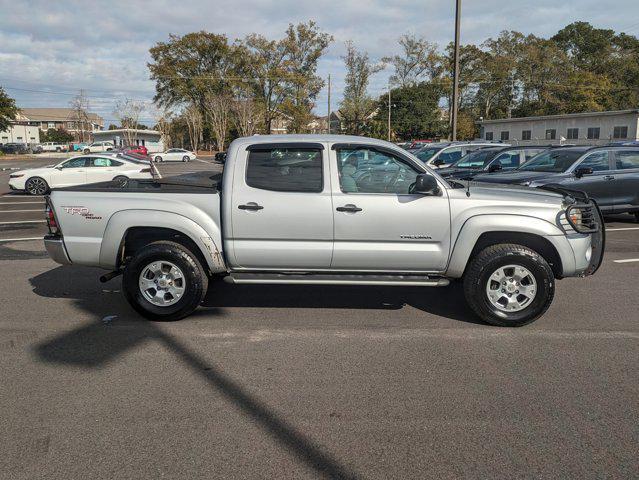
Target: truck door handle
<point>250,206</point>
<point>349,208</point>
<point>609,177</point>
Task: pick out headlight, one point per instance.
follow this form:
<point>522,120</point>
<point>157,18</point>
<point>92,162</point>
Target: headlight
<point>583,217</point>
<point>16,175</point>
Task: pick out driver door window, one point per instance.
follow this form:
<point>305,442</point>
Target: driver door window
<point>508,160</point>
<point>370,171</point>
<point>598,161</point>
<point>450,155</point>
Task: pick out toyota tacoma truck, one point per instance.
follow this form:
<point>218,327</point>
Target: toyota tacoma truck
<point>327,210</point>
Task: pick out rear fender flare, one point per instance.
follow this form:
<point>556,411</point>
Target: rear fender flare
<point>208,242</point>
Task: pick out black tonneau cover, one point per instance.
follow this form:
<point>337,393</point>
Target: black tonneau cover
<point>199,182</point>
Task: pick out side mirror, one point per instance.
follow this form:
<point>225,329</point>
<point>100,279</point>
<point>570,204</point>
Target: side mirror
<point>220,157</point>
<point>495,167</point>
<point>581,171</point>
<point>426,185</point>
<point>438,162</point>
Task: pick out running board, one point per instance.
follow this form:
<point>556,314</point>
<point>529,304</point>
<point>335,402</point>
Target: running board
<point>337,279</point>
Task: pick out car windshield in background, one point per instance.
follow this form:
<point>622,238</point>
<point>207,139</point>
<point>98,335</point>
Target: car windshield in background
<point>476,159</point>
<point>427,153</point>
<point>556,161</point>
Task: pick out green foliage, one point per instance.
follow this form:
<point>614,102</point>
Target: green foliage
<point>357,107</point>
<point>415,112</point>
<point>8,110</point>
<point>59,135</point>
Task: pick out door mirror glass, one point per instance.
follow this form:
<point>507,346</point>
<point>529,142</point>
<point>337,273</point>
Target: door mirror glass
<point>438,162</point>
<point>581,171</point>
<point>495,167</point>
<point>426,185</point>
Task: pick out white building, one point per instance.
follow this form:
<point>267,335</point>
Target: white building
<point>21,130</point>
<point>151,139</point>
<point>592,128</point>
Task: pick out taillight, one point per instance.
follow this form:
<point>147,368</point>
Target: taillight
<point>51,223</point>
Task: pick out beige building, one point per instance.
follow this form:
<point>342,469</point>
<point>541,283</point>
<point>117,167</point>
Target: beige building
<point>65,118</point>
<point>591,128</point>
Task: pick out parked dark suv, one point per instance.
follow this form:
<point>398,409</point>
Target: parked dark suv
<point>14,148</point>
<point>490,160</point>
<point>608,174</point>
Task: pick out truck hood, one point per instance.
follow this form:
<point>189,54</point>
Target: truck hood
<point>519,177</point>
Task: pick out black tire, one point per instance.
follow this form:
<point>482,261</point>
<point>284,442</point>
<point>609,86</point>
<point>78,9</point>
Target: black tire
<point>637,217</point>
<point>158,159</point>
<point>58,149</point>
<point>121,180</point>
<point>36,186</point>
<point>195,277</point>
<point>185,158</point>
<point>478,275</point>
<point>87,150</point>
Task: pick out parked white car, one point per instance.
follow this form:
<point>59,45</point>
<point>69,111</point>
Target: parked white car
<point>99,147</point>
<point>54,147</point>
<point>174,155</point>
<point>79,171</point>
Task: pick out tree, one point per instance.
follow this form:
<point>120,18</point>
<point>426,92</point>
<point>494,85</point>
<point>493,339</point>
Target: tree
<point>304,45</point>
<point>128,112</point>
<point>193,120</point>
<point>263,67</point>
<point>218,109</point>
<point>357,106</point>
<point>419,61</point>
<point>80,106</point>
<point>59,135</point>
<point>245,116</point>
<point>8,110</point>
<point>187,67</point>
<point>414,112</point>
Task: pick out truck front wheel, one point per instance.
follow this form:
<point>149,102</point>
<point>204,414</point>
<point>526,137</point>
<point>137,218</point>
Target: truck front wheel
<point>509,285</point>
<point>164,281</point>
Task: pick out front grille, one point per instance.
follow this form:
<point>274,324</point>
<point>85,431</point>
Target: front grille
<point>582,217</point>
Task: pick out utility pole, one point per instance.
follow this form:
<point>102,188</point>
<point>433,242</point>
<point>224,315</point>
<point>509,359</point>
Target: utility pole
<point>453,113</point>
<point>329,104</point>
<point>389,111</point>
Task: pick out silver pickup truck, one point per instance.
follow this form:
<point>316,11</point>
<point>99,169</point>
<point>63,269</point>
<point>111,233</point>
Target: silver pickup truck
<point>327,210</point>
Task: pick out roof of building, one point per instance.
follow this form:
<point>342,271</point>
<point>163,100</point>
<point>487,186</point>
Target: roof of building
<point>56,115</point>
<point>557,117</point>
<point>128,130</point>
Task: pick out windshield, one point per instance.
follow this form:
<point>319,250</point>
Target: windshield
<point>426,154</point>
<point>476,159</point>
<point>556,161</point>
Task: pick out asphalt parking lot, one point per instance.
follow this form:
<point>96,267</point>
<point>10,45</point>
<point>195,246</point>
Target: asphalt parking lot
<point>308,382</point>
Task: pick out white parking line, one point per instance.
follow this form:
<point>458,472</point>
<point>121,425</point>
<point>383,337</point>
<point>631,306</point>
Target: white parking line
<point>19,239</point>
<point>621,229</point>
<point>627,260</point>
<point>25,221</point>
<point>13,211</point>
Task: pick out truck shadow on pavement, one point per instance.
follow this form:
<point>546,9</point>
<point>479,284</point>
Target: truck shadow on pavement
<point>102,341</point>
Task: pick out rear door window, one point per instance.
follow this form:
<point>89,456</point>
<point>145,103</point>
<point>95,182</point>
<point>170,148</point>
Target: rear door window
<point>598,161</point>
<point>285,170</point>
<point>627,159</point>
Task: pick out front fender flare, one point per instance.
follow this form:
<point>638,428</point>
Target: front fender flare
<point>475,226</point>
<point>208,242</point>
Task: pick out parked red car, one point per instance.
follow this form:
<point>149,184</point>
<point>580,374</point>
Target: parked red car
<point>139,149</point>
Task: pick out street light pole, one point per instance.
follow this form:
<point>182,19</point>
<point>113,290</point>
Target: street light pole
<point>389,112</point>
<point>329,104</point>
<point>456,73</point>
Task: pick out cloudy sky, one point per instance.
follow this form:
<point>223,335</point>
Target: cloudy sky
<point>51,49</point>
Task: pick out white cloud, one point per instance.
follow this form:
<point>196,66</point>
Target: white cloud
<point>62,46</point>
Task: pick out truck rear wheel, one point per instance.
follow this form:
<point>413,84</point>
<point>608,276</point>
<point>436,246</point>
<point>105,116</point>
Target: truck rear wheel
<point>509,285</point>
<point>164,281</point>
